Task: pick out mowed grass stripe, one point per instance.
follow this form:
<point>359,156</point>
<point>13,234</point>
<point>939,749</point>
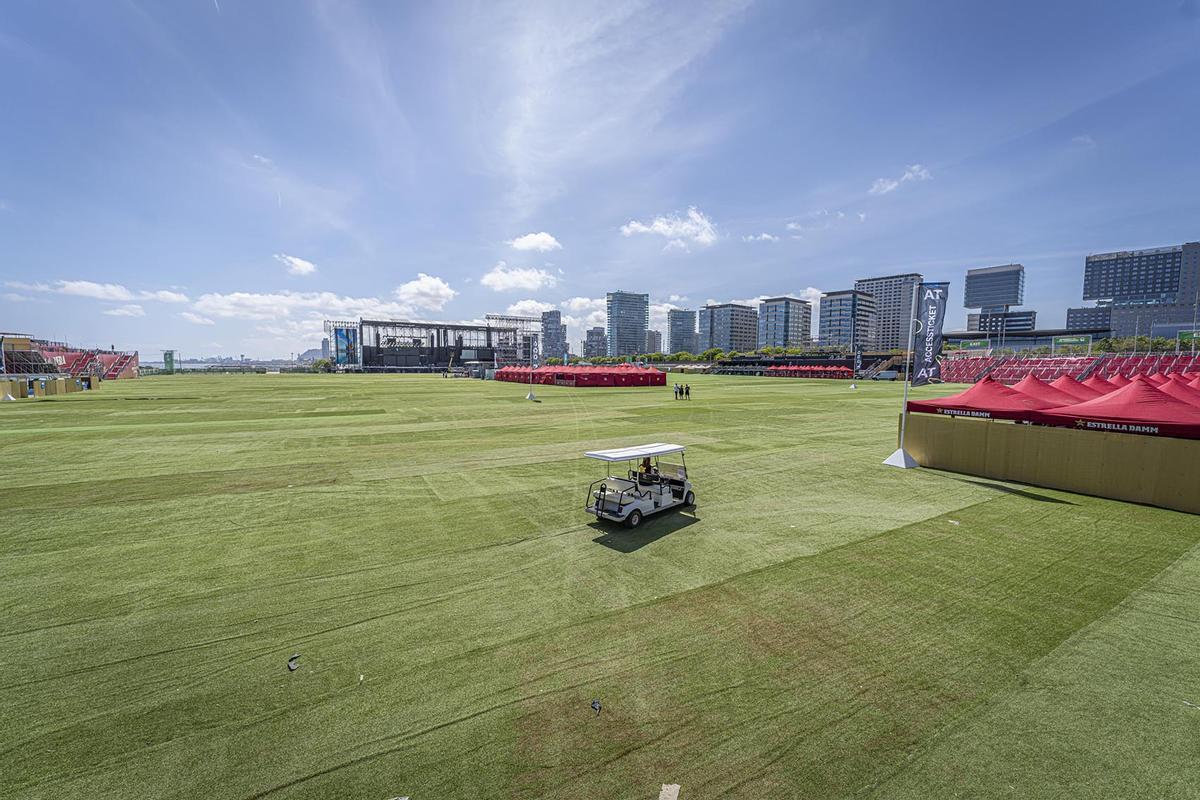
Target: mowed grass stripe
<point>144,638</point>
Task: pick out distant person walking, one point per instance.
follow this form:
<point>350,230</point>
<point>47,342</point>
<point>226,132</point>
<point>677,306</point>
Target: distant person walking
<point>687,391</point>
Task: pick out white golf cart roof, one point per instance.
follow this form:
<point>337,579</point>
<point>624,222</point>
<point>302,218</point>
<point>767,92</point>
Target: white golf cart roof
<point>637,451</point>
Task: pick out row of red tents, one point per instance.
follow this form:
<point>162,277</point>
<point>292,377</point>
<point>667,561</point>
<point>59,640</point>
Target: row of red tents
<point>809,371</point>
<point>617,375</point>
<point>1155,405</point>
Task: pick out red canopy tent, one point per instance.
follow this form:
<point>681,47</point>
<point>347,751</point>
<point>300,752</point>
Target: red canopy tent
<point>1100,384</point>
<point>1036,387</point>
<point>1177,386</point>
<point>1118,380</point>
<point>581,375</point>
<point>986,399</point>
<point>1157,378</point>
<point>1195,382</point>
<point>1140,408</point>
<point>1068,385</point>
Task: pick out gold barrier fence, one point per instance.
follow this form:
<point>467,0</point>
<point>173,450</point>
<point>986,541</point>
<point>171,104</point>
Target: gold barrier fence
<point>1155,470</point>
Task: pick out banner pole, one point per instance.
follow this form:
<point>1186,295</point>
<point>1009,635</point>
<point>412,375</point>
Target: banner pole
<point>901,458</point>
<point>912,318</point>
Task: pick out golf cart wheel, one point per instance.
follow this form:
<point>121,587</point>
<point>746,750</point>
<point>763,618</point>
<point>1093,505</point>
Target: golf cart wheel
<point>690,499</point>
<point>634,519</point>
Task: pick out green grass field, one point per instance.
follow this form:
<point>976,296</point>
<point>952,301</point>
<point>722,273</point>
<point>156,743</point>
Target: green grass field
<point>821,626</point>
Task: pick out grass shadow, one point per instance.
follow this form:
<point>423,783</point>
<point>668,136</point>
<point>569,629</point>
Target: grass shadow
<point>614,536</point>
<point>999,487</point>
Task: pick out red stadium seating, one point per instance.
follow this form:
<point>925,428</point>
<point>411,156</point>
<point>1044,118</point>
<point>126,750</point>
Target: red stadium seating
<point>1011,369</point>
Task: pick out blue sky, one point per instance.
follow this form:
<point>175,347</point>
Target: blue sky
<point>217,176</point>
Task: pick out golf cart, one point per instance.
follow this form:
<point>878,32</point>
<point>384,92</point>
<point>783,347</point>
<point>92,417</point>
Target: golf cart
<point>648,487</point>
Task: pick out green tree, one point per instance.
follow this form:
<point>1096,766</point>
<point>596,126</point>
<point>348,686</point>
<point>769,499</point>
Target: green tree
<point>322,365</point>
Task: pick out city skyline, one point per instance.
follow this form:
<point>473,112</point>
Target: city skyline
<point>370,160</point>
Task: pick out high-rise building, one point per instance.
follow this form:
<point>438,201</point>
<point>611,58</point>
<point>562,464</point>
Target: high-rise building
<point>1146,292</point>
<point>325,347</point>
<point>1002,321</point>
<point>1089,318</point>
<point>681,330</point>
<point>995,288</point>
<point>653,342</point>
<point>628,318</point>
<point>994,291</point>
<point>848,319</point>
<point>728,327</point>
<point>554,335</point>
<point>894,304</point>
<point>596,343</point>
<point>784,322</point>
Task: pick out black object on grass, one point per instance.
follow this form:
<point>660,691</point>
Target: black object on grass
<point>292,665</point>
<point>596,707</point>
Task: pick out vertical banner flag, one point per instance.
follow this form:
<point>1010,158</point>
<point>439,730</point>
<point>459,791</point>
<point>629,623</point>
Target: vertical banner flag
<point>857,361</point>
<point>931,313</point>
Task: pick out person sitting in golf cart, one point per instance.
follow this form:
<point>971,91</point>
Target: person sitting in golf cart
<point>648,473</point>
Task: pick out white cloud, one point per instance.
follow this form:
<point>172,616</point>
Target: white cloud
<point>503,278</point>
<point>795,226</point>
<point>29,287</point>
<point>883,186</point>
<point>583,305</point>
<point>583,313</point>
<point>586,86</point>
<point>112,292</point>
<point>425,292</point>
<point>130,310</point>
<point>296,265</point>
<point>862,217</point>
<point>539,242</point>
<point>677,298</point>
<point>196,319</point>
<point>914,172</point>
<point>163,296</point>
<point>308,309</point>
<point>97,291</point>
<point>263,160</point>
<point>761,237</point>
<point>658,317</point>
<point>694,227</point>
<point>813,295</point>
<point>1083,141</point>
<point>529,308</point>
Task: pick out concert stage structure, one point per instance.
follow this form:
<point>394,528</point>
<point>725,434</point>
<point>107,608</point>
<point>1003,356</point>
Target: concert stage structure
<point>375,345</point>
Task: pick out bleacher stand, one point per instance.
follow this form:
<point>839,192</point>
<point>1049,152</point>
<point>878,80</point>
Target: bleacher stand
<point>1011,369</point>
